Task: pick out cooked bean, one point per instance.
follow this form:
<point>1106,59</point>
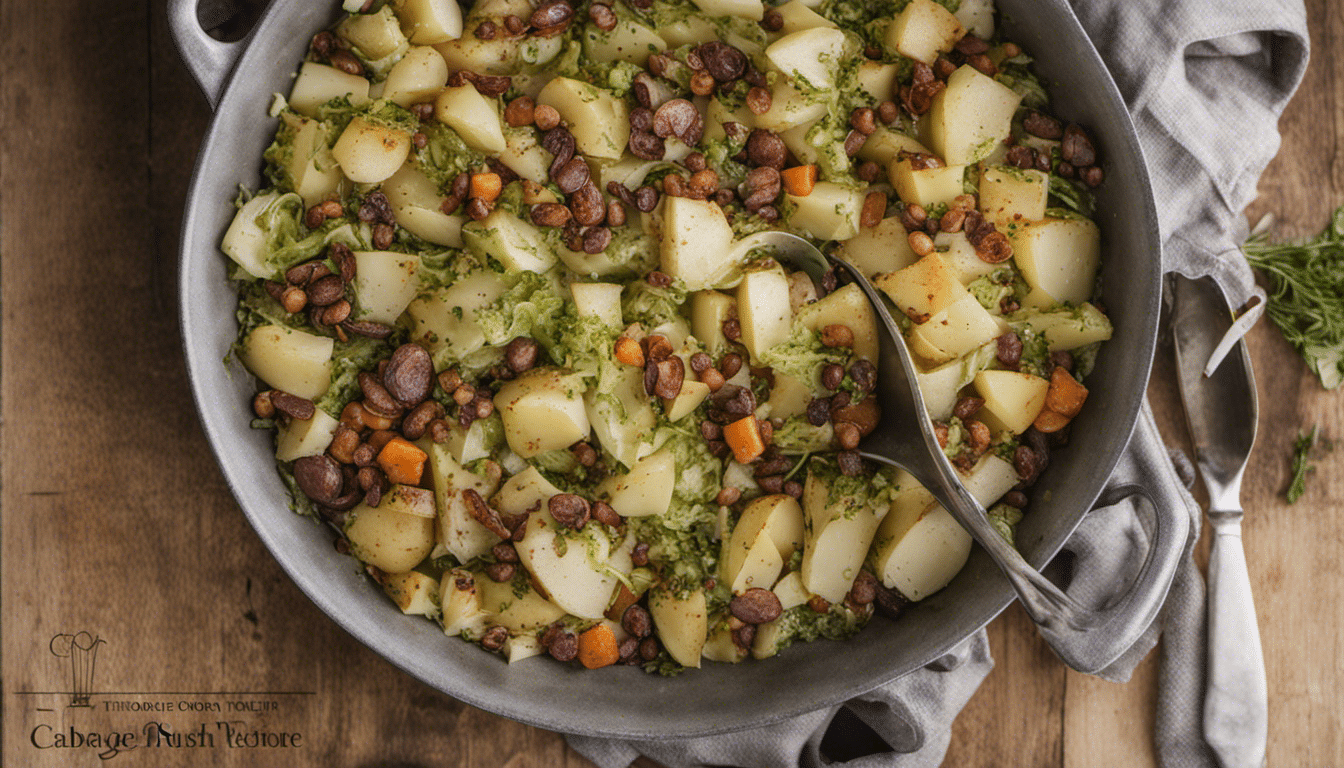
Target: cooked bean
<point>1076,148</point>
<point>851,463</point>
<point>1010,350</point>
<point>637,621</point>
<point>410,374</point>
<point>588,205</point>
<point>765,148</point>
<point>837,335</point>
<point>603,513</point>
<point>724,62</point>
<point>756,606</point>
<point>521,353</point>
<point>546,117</point>
<point>966,407</point>
<point>319,477</point>
<point>521,111</point>
<point>602,16</point>
<point>485,514</point>
<point>569,510</point>
<point>550,215</point>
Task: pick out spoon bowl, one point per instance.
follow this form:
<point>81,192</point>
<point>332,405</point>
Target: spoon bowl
<point>1086,639</point>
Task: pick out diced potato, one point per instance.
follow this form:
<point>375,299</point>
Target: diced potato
<point>789,396</point>
<point>955,331</point>
<point>1012,399</point>
<point>809,57</point>
<point>767,534</point>
<point>289,360</point>
<point>523,493</point>
<point>627,41</point>
<point>716,114</point>
<point>416,203</point>
<point>459,533</point>
<point>877,79</point>
<point>395,535</point>
<point>514,243</point>
<point>572,567</point>
<point>939,386</point>
<point>245,240</point>
<point>376,35</point>
<point>682,624</point>
<point>924,288</point>
<point>958,252</point>
<point>695,240</point>
<point>600,300</point>
<point>1009,195</point>
<point>970,116</point>
<point>758,565</point>
<point>977,16</point>
<point>920,550</point>
<point>516,605</point>
<point>836,540</point>
<point>1059,256</point>
<point>645,490</point>
<point>414,593</point>
<point>719,646</point>
<point>1068,328</point>
<point>446,319</point>
<point>416,78</point>
<point>790,591</point>
<point>319,83</point>
<point>316,175</point>
<point>460,602</point>
<point>830,212</point>
<point>692,394</point>
<point>881,249</point>
<point>927,187</point>
<point>884,144</point>
<point>542,410</point>
<point>369,152</point>
<point>525,156</point>
<point>524,646</point>
<point>747,9</point>
<point>789,107</point>
<point>763,309</point>
<point>467,444</point>
<point>708,311</point>
<point>622,417</point>
<point>501,54</point>
<point>430,21</point>
<point>922,30</point>
<point>385,283</point>
<point>598,119</point>
<point>474,117</point>
<point>847,305</point>
<point>990,479</point>
<point>305,437</point>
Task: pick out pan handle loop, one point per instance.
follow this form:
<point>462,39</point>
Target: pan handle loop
<point>209,60</point>
<point>1112,630</point>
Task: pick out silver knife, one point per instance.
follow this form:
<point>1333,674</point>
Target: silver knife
<point>1221,411</point>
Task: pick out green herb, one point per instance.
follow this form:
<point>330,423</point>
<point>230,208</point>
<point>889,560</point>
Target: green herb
<point>1305,301</point>
<point>1301,464</point>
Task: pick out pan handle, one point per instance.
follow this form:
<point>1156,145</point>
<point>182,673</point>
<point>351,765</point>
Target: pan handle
<point>1113,629</point>
<point>209,60</point>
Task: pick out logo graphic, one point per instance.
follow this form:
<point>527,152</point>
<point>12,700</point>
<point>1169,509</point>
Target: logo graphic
<point>82,651</point>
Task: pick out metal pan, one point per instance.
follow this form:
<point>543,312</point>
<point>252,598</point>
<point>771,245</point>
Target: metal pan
<point>239,79</point>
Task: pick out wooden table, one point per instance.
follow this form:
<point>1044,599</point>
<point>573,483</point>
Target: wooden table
<point>117,522</point>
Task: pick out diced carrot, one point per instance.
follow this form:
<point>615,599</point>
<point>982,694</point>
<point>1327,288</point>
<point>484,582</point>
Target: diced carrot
<point>402,461</point>
<point>1065,396</point>
<point>799,180</point>
<point>1048,421</point>
<point>486,186</point>
<point>744,437</point>
<point>628,351</point>
<point>597,647</point>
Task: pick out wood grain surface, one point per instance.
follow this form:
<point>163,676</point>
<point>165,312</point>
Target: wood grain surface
<point>117,523</point>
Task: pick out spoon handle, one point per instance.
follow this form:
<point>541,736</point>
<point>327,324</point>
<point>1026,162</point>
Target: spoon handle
<point>1236,719</point>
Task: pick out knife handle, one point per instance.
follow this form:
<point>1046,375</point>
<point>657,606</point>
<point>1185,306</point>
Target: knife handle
<point>1236,717</point>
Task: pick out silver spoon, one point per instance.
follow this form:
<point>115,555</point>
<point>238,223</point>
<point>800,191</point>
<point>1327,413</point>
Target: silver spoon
<point>905,439</point>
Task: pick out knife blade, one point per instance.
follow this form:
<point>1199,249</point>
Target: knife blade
<point>1221,412</point>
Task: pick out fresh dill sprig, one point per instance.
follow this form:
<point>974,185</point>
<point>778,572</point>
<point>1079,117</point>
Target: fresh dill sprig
<point>1301,464</point>
<point>1305,298</point>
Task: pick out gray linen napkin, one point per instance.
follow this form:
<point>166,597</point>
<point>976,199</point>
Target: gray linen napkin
<point>1206,81</point>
